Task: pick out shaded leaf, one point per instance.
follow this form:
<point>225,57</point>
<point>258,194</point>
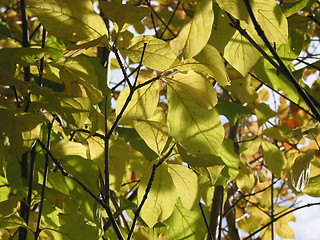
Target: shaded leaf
<point>264,113</point>
<point>12,221</point>
<point>233,111</point>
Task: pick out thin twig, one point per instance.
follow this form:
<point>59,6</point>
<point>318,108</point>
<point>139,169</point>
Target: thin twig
<point>167,25</point>
<point>210,236</point>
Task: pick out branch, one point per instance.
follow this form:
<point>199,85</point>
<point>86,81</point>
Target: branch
<point>277,218</point>
<point>216,213</point>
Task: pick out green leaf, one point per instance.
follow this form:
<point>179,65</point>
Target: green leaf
<point>155,134</point>
<point>230,158</point>
<point>131,136</point>
<point>312,189</point>
<point>19,131</point>
<point>301,170</point>
<point>83,169</point>
<point>73,228</point>
<point>158,55</point>
<point>64,148</point>
<point>10,57</point>
<point>197,87</point>
<point>241,54</point>
<point>161,198</point>
<point>264,113</point>
<point>142,105</point>
<point>274,158</point>
<point>199,130</point>
<point>123,15</point>
<point>208,61</point>
<point>241,89</point>
<point>71,20</point>
<point>12,221</point>
<point>187,186</point>
<point>185,224</point>
<point>195,34</point>
<point>233,111</point>
<point>196,160</point>
<point>293,7</point>
<point>118,160</point>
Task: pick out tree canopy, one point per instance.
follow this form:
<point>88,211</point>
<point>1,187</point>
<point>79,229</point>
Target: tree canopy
<point>159,119</point>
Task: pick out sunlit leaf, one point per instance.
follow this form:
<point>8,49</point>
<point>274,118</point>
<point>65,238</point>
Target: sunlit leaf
<point>185,224</point>
<point>201,131</point>
<point>155,134</point>
<point>142,105</point>
<point>123,15</point>
<point>71,20</point>
<point>274,158</point>
<point>301,170</point>
<point>12,221</point>
<point>187,186</point>
<point>195,34</point>
<point>197,87</point>
<point>161,198</point>
<point>66,148</point>
<point>158,54</point>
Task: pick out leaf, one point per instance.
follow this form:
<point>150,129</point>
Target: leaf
<point>118,160</point>
<point>123,15</point>
<point>84,170</point>
<point>230,158</point>
<point>197,87</point>
<point>185,224</point>
<point>264,113</point>
<point>236,8</point>
<point>161,198</point>
<point>241,54</point>
<point>274,158</point>
<point>195,34</point>
<point>293,7</point>
<point>12,221</point>
<point>10,57</point>
<point>158,55</point>
<point>301,170</point>
<point>71,20</point>
<point>208,61</point>
<point>142,105</point>
<point>186,184</point>
<point>64,148</point>
<point>241,89</point>
<point>312,189</point>
<point>199,130</point>
<point>233,111</point>
<point>272,21</point>
<point>155,134</point>
<point>19,131</point>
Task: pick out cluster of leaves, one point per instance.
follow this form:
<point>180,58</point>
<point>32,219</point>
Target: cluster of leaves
<point>153,119</point>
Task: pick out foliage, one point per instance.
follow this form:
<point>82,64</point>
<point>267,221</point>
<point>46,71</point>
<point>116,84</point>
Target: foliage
<point>157,119</point>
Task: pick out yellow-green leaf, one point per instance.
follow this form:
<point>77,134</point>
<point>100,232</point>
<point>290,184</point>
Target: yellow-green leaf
<point>158,55</point>
<point>65,147</point>
<point>274,158</point>
<point>264,113</point>
<point>199,130</point>
<point>142,105</point>
<point>161,198</point>
<point>187,186</point>
<point>123,15</point>
<point>71,20</point>
<point>185,224</point>
<point>197,87</point>
<point>301,170</point>
<point>195,34</point>
<point>241,54</point>
<point>12,221</point>
<point>155,134</point>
